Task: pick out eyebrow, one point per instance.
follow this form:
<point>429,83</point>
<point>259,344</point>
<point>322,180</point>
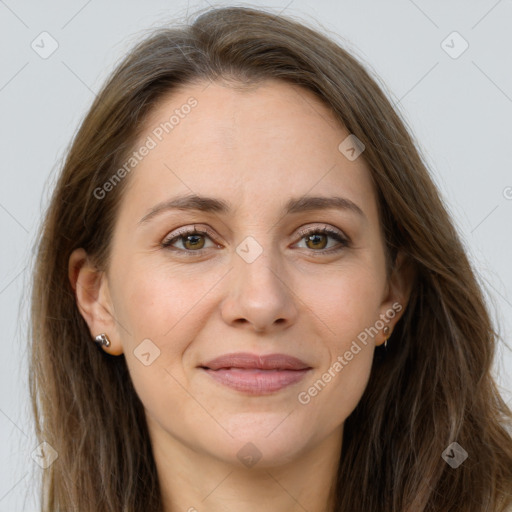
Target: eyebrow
<point>213,205</point>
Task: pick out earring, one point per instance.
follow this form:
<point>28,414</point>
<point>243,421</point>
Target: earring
<point>102,340</point>
<point>386,332</point>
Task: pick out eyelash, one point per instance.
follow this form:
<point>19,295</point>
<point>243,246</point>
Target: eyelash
<point>344,242</point>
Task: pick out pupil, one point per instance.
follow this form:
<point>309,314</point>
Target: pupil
<point>194,242</point>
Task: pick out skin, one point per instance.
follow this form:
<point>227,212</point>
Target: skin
<point>255,149</point>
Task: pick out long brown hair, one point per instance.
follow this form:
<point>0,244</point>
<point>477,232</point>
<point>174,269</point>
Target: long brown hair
<point>434,385</point>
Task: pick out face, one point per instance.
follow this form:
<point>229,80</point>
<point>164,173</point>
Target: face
<point>254,269</point>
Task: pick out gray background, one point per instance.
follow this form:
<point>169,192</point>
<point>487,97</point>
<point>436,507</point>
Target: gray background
<point>459,110</point>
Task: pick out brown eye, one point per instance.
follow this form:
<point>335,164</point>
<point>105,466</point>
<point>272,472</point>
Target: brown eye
<point>192,241</point>
<point>317,240</point>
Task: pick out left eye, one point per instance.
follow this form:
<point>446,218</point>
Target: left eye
<point>319,236</point>
<point>194,240</point>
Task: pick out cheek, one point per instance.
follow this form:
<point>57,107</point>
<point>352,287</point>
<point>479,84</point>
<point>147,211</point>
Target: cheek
<point>164,304</point>
<point>155,299</point>
<point>158,309</point>
<point>332,394</point>
<point>348,300</point>
<point>349,309</point>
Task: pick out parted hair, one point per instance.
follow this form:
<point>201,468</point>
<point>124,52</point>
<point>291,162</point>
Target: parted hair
<point>434,385</point>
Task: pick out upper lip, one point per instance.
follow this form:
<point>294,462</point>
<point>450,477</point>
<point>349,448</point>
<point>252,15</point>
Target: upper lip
<point>263,362</point>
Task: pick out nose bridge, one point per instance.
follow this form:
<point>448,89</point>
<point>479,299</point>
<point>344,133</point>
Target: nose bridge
<point>258,292</point>
<point>257,266</point>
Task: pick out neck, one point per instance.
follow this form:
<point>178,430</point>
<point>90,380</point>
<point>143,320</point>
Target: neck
<point>192,481</point>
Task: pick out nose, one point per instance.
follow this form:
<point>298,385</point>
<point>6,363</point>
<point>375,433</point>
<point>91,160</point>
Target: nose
<point>260,294</point>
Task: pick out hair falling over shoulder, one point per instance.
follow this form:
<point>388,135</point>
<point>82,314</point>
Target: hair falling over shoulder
<point>434,387</point>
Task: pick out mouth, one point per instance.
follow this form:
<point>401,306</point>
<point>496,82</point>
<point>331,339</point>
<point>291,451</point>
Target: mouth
<point>256,374</point>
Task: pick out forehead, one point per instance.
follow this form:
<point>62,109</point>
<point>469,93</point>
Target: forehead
<point>255,147</point>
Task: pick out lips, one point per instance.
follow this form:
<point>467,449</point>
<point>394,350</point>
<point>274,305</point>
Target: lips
<point>254,361</point>
<point>256,374</point>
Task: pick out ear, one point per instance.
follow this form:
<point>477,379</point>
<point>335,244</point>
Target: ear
<point>93,299</point>
<point>396,297</point>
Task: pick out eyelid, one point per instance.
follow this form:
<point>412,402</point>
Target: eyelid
<point>190,229</point>
<point>323,229</point>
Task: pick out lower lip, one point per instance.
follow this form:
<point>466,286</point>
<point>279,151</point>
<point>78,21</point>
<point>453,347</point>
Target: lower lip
<point>256,382</point>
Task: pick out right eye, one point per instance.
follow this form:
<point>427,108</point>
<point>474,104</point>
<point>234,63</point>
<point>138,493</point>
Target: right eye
<point>192,240</point>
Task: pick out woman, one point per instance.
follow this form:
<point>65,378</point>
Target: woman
<point>249,294</point>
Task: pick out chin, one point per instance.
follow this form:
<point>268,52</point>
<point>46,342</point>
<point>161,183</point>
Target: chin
<point>263,442</point>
